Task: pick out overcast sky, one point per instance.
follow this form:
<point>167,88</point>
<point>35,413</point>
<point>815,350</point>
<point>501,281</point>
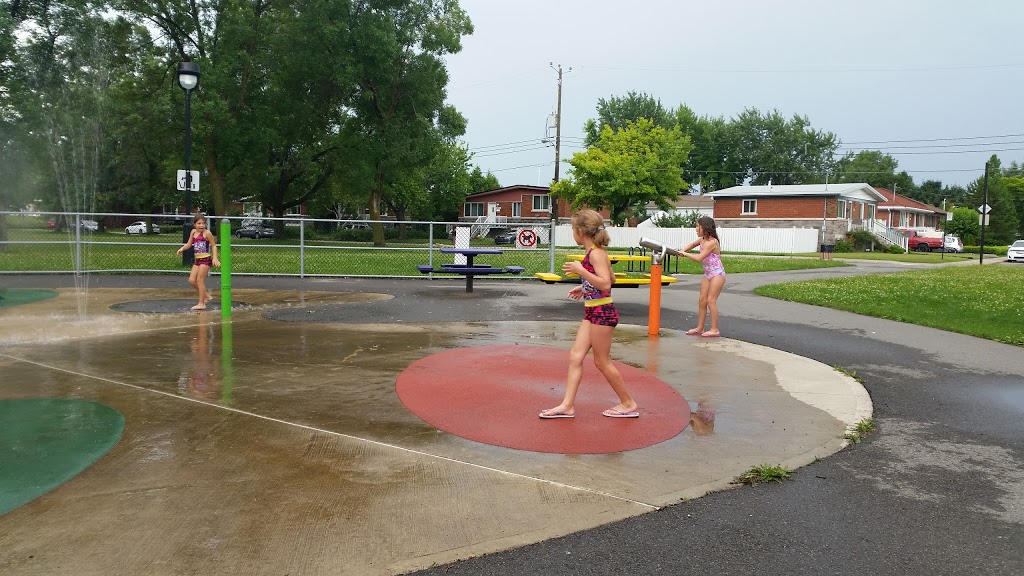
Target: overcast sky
<point>873,72</point>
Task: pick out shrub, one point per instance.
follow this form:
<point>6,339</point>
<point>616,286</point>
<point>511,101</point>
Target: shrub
<point>677,220</point>
<point>997,250</point>
<point>894,249</point>
<point>843,246</point>
<point>861,240</point>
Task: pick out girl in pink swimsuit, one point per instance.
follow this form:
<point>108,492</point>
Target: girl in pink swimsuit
<point>714,275</point>
<point>204,244</point>
<point>599,319</point>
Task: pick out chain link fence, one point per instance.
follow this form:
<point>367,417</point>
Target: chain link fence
<point>81,243</point>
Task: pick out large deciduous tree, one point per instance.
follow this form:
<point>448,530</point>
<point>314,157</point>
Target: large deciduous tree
<point>626,169</point>
<point>399,116</point>
<point>768,147</point>
<point>876,169</point>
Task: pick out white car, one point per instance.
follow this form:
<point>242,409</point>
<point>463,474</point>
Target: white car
<point>952,243</point>
<point>1015,253</point>
<point>140,228</point>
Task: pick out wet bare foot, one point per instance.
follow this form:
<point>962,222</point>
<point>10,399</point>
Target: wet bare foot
<point>199,307</point>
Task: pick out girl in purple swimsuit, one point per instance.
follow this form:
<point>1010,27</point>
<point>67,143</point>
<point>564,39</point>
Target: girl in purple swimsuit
<point>714,275</point>
<point>599,319</point>
<point>204,244</point>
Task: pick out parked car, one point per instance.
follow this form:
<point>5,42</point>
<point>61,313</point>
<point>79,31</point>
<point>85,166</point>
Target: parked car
<point>255,231</point>
<point>140,228</point>
<point>506,237</point>
<point>89,225</point>
<point>952,243</point>
<point>1015,253</point>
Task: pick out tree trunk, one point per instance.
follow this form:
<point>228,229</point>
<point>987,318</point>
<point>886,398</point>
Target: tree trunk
<point>375,201</point>
<point>216,181</point>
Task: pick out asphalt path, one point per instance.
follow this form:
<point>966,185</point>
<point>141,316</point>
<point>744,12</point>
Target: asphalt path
<point>938,488</point>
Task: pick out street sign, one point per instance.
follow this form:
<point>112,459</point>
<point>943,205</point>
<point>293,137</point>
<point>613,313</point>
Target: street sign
<point>984,208</point>
<point>194,182</point>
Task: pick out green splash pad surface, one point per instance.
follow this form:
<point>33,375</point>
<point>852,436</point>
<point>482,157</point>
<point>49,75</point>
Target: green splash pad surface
<point>14,296</point>
<point>46,442</point>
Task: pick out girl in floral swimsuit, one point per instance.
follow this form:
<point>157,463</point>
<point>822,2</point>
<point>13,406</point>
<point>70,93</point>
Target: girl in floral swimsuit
<point>204,245</point>
<point>599,319</point>
<point>714,275</point>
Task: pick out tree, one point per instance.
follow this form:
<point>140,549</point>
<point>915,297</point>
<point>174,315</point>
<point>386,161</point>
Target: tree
<point>767,147</point>
<point>1003,221</point>
<point>618,112</point>
<point>876,169</point>
<point>480,182</point>
<point>628,168</point>
<point>1015,187</point>
<point>964,224</point>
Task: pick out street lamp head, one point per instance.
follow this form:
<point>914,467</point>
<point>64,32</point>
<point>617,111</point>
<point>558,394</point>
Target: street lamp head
<point>188,75</point>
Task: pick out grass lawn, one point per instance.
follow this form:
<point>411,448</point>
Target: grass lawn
<point>987,302</point>
<point>115,252</point>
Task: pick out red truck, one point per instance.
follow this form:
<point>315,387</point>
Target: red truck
<point>923,243</point>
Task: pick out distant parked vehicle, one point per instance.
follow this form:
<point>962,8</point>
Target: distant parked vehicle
<point>89,225</point>
<point>922,242</point>
<point>1015,253</point>
<point>255,231</point>
<point>952,243</point>
<point>140,228</point>
<point>507,237</point>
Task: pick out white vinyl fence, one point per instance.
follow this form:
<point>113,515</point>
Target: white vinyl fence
<point>768,240</point>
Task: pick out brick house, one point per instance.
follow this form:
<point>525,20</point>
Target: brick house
<point>519,203</point>
<point>902,212</point>
<point>833,209</point>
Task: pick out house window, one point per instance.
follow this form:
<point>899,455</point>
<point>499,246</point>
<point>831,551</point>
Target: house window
<point>474,209</point>
<point>871,211</point>
<point>841,213</point>
<point>517,209</point>
<point>749,207</point>
<point>541,203</point>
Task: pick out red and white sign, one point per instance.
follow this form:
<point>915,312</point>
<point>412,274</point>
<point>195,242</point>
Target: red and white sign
<point>526,238</point>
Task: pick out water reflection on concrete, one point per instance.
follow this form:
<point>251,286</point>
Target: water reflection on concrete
<point>258,434</point>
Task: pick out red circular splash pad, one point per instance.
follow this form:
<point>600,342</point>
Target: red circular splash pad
<point>493,394</point>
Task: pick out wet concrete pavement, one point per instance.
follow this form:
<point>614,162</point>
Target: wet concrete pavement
<point>296,456</point>
<point>275,443</point>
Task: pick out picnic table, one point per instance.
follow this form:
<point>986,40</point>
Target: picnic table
<point>621,279</point>
<point>469,269</point>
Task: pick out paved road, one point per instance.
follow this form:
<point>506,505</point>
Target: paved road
<point>938,489</point>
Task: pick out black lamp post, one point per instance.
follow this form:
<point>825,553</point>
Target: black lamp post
<point>188,79</point>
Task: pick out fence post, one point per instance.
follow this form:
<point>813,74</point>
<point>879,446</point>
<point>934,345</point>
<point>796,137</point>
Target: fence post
<point>225,268</point>
<point>551,246</point>
<point>302,248</point>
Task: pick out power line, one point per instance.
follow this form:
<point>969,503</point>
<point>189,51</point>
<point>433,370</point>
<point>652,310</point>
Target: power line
<point>936,139</point>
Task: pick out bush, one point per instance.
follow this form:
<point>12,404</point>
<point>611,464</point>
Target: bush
<point>843,246</point>
<point>677,220</point>
<point>894,249</point>
<point>997,250</point>
<point>862,240</point>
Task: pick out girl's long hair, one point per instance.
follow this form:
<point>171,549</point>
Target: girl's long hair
<point>707,224</point>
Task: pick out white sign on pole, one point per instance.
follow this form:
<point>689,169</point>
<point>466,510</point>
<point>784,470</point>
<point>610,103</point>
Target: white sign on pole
<point>983,219</point>
<point>194,182</point>
<point>984,208</point>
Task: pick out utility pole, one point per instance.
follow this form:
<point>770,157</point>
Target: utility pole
<point>984,217</point>
<point>558,138</point>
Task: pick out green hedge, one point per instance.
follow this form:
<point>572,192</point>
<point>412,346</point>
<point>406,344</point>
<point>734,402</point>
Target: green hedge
<point>997,250</point>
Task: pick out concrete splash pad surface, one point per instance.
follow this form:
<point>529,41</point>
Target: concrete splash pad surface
<point>294,454</point>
